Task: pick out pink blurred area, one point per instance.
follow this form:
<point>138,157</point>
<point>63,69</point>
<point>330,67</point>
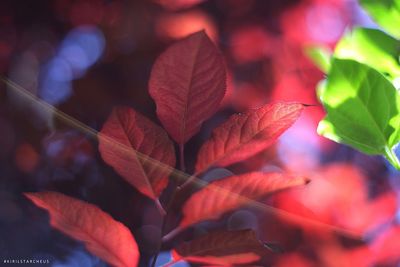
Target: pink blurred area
<point>86,56</point>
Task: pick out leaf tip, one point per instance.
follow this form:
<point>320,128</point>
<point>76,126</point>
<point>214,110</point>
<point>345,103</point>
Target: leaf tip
<point>309,105</point>
<point>29,195</point>
<point>200,33</point>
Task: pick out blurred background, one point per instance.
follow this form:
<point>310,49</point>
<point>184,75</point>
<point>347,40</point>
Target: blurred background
<point>86,56</point>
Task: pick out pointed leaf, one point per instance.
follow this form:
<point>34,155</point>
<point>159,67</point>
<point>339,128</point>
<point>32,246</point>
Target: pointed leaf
<point>139,150</point>
<point>106,238</point>
<point>233,192</point>
<point>244,135</point>
<point>187,83</point>
<point>386,13</point>
<point>363,109</point>
<point>373,48</point>
<point>225,248</point>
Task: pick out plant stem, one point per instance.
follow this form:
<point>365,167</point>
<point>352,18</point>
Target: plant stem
<point>168,208</point>
<point>392,158</point>
<point>172,234</point>
<point>164,222</point>
<point>169,205</point>
<point>164,214</point>
<point>182,157</point>
<point>160,207</point>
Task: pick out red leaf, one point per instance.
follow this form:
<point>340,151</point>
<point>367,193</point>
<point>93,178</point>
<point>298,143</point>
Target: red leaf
<point>178,4</point>
<point>244,135</point>
<point>139,150</point>
<point>338,196</point>
<point>385,249</point>
<point>224,248</point>
<point>188,83</point>
<point>106,238</point>
<point>232,192</point>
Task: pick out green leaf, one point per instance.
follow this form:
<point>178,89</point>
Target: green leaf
<point>372,47</point>
<point>362,109</point>
<point>320,55</point>
<point>386,13</point>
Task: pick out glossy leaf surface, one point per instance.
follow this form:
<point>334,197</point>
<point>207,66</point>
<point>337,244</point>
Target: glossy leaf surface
<point>363,109</point>
<point>188,83</point>
<point>106,238</point>
<point>373,48</point>
<point>244,135</point>
<point>139,150</point>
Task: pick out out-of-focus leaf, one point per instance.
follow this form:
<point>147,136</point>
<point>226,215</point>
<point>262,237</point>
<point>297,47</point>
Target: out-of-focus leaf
<point>178,4</point>
<point>337,197</point>
<point>188,82</point>
<point>294,259</point>
<point>233,192</point>
<point>244,135</point>
<point>386,13</point>
<point>371,47</point>
<point>139,150</point>
<point>363,109</point>
<point>320,88</point>
<point>106,238</point>
<point>321,56</point>
<point>385,247</point>
<point>225,248</point>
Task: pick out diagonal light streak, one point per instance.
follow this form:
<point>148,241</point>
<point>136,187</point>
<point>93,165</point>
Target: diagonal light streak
<point>182,176</point>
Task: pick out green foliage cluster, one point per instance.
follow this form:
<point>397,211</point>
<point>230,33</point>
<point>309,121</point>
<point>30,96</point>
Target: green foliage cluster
<point>360,92</point>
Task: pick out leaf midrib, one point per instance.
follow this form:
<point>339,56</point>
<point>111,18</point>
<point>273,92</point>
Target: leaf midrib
<point>233,150</point>
<point>57,211</point>
<point>363,105</point>
<point>186,107</point>
<point>143,172</point>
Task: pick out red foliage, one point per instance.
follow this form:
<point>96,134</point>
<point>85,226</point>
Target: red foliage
<point>335,205</point>
<point>252,43</point>
<point>317,21</point>
<point>338,196</point>
<point>385,249</point>
<point>103,236</point>
<point>178,4</point>
<point>188,82</point>
<point>244,135</point>
<point>224,248</point>
<point>139,150</point>
<point>295,260</point>
<point>233,192</point>
<point>179,25</point>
